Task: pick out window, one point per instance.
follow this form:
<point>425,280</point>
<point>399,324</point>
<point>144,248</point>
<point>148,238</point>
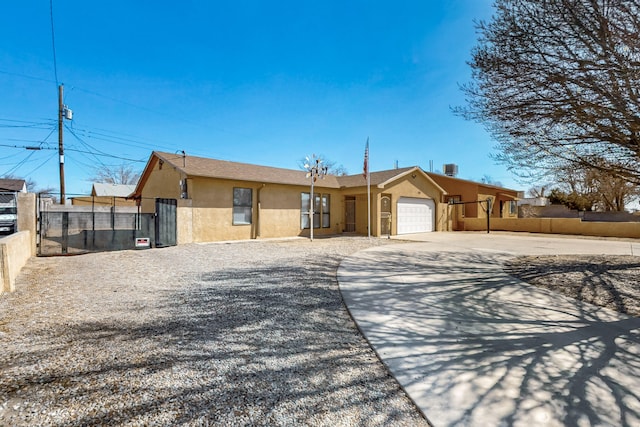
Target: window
<point>316,211</point>
<point>513,207</point>
<point>326,220</point>
<point>242,204</point>
<point>321,211</point>
<point>304,211</point>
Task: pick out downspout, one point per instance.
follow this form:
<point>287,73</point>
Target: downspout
<point>258,213</point>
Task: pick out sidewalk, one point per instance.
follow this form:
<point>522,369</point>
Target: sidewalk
<point>473,346</point>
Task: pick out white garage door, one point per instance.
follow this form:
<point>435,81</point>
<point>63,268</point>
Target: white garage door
<point>415,215</point>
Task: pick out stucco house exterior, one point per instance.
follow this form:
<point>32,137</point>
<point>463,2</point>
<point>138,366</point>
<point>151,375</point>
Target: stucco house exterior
<point>465,196</point>
<point>220,200</point>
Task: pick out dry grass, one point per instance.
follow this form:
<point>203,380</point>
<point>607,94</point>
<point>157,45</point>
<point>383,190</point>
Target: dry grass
<point>607,281</point>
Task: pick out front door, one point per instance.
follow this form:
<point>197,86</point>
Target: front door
<point>350,214</point>
<point>385,215</point>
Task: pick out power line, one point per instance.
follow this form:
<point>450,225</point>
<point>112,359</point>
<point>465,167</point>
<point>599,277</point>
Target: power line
<point>27,147</point>
<point>24,124</point>
<point>24,76</point>
<point>53,42</point>
<point>20,163</point>
<point>97,152</point>
<point>71,130</point>
<point>41,164</point>
<point>120,140</point>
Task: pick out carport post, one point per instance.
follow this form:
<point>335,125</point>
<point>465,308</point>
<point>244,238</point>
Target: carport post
<point>488,214</point>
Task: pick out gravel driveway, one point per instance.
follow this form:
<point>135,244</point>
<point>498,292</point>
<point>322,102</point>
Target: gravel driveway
<point>251,333</point>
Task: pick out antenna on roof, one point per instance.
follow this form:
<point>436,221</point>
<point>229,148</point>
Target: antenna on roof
<point>184,157</point>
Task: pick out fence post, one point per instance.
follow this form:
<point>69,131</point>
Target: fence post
<point>65,232</point>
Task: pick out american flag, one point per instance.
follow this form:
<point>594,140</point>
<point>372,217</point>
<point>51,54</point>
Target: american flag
<point>365,169</point>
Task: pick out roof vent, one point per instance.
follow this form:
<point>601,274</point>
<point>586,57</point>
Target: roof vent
<point>450,169</point>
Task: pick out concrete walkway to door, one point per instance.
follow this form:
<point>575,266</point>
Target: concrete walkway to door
<point>474,346</point>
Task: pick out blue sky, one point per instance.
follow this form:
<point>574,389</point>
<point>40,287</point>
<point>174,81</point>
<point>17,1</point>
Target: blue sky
<point>248,81</point>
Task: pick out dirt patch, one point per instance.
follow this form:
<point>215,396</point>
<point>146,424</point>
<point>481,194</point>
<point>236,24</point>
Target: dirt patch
<point>604,280</point>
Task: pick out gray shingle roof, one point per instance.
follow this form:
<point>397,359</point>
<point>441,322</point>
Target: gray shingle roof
<point>213,168</point>
<point>12,184</point>
<point>112,190</point>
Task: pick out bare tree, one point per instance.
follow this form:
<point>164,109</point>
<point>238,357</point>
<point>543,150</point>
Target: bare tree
<point>538,191</point>
<point>558,81</point>
<point>488,179</point>
<point>592,189</point>
<point>120,174</point>
<point>333,167</point>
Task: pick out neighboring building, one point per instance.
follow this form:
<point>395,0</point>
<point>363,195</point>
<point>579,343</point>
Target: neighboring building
<point>534,201</point>
<point>104,194</point>
<point>470,198</point>
<point>8,204</point>
<point>13,186</point>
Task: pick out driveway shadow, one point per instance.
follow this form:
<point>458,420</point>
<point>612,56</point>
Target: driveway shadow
<point>474,346</point>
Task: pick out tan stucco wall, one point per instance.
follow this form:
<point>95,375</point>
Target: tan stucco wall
<point>15,251</point>
<point>418,187</point>
<point>27,217</point>
<point>207,215</point>
<point>163,182</point>
<point>408,186</point>
<point>102,201</point>
<point>184,220</point>
<point>572,226</point>
<point>468,191</point>
<point>275,211</point>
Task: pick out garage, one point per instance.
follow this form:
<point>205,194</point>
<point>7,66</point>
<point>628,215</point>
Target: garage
<point>415,215</point>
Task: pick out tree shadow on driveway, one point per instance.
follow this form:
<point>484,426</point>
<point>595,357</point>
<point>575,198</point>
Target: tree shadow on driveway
<point>473,346</point>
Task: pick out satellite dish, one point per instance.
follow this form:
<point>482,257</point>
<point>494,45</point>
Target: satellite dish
<point>308,174</point>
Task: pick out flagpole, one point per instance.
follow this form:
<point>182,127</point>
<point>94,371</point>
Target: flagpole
<point>368,177</point>
<point>369,204</point>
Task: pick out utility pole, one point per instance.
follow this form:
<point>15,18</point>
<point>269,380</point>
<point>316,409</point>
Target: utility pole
<point>60,144</point>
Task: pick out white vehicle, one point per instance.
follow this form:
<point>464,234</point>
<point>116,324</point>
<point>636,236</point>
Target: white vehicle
<point>8,213</point>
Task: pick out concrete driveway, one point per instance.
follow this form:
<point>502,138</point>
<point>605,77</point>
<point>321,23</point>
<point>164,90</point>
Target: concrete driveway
<point>474,346</point>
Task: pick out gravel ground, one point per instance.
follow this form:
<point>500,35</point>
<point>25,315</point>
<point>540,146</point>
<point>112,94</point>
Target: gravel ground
<point>607,281</point>
<point>251,333</point>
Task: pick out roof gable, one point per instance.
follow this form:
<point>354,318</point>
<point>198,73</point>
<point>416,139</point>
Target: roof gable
<point>112,190</point>
<point>382,178</point>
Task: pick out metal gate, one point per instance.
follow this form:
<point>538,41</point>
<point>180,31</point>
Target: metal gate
<point>166,222</point>
<point>66,230</point>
